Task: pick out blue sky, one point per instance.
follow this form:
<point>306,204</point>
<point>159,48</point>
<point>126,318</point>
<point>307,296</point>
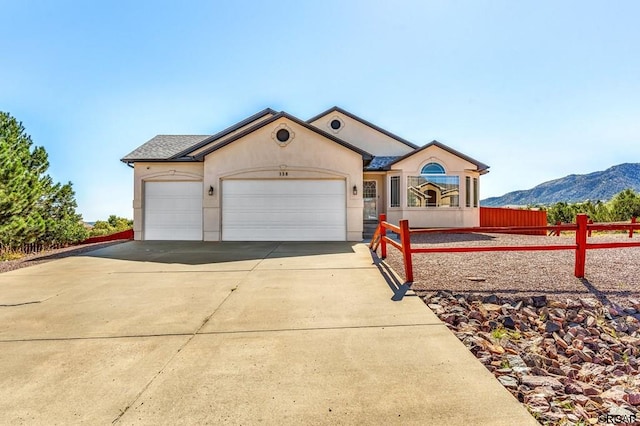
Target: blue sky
<point>535,89</point>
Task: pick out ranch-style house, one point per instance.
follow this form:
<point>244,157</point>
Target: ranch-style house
<point>275,177</point>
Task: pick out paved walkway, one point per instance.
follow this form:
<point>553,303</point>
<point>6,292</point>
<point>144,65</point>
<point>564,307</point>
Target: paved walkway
<point>232,333</point>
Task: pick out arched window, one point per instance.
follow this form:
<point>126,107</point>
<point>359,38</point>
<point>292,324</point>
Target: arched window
<point>432,169</point>
<point>433,188</point>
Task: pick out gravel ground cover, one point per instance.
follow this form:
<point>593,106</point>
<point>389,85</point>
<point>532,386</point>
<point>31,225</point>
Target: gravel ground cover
<point>611,275</point>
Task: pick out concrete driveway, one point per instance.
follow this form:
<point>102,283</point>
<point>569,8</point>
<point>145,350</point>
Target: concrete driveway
<point>232,333</point>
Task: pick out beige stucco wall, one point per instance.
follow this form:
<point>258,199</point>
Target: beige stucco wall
<point>362,136</point>
<point>257,156</point>
<point>434,216</point>
<point>156,172</point>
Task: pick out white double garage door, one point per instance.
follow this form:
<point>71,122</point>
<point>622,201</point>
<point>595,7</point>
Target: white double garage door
<point>252,210</point>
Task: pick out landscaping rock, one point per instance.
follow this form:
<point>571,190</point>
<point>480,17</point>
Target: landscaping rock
<point>570,361</point>
<point>537,381</point>
<point>508,382</point>
<point>551,327</point>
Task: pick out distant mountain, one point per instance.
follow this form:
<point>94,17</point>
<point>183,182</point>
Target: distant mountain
<point>594,186</point>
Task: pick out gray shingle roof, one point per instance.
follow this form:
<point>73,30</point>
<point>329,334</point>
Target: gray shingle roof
<point>380,162</point>
<point>163,147</point>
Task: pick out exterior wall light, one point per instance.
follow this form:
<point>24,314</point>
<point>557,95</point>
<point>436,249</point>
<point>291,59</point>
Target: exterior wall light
<point>210,190</point>
<point>355,190</point>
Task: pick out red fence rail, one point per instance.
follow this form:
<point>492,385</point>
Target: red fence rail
<point>582,227</point>
<point>500,216</point>
<point>124,235</point>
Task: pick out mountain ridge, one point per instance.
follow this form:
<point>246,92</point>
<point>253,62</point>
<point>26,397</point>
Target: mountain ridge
<point>601,185</point>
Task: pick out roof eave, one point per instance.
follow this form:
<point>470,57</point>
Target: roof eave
<point>225,132</point>
<point>481,167</point>
<point>159,160</point>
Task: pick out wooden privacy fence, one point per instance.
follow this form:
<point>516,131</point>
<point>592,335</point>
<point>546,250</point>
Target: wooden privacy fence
<point>581,228</point>
<point>500,216</point>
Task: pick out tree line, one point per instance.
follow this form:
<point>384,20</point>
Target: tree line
<point>621,208</point>
<point>33,208</point>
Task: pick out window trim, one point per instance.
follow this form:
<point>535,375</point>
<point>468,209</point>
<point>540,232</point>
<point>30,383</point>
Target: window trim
<point>398,196</point>
<point>476,192</point>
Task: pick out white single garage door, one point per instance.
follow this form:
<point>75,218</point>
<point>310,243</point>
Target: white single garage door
<point>283,210</point>
<point>173,211</point>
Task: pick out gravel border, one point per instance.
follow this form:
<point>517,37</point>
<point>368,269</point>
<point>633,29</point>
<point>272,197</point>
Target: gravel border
<point>49,255</point>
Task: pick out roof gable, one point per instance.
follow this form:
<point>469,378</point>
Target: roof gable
<point>200,156</point>
<point>364,122</point>
<point>482,168</point>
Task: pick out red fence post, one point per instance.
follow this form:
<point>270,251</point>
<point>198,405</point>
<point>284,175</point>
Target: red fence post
<point>581,244</point>
<point>405,240</point>
<point>383,234</point>
<point>633,221</point>
<point>590,222</point>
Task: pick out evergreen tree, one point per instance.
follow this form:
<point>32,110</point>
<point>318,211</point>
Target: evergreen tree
<point>32,208</point>
<point>625,205</point>
<point>62,224</point>
<point>111,226</point>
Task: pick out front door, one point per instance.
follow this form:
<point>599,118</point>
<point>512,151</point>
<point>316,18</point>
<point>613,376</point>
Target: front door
<point>370,197</point>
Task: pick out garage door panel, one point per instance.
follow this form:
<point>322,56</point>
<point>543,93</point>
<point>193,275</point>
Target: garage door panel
<point>173,211</point>
<point>186,220</point>
<point>287,210</point>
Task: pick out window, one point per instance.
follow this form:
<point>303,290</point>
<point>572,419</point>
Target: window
<point>432,169</point>
<point>395,191</point>
<point>369,189</point>
<point>433,188</point>
<point>335,124</point>
<point>433,191</point>
<point>476,192</point>
<point>467,181</point>
<point>282,135</point>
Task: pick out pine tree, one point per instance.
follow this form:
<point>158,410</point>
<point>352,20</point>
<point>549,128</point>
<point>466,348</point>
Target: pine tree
<point>62,224</point>
<point>625,205</point>
<point>32,208</point>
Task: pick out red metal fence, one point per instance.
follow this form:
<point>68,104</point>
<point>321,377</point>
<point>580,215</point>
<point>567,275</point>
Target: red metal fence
<point>581,228</point>
<point>35,248</point>
<point>124,235</point>
<point>500,216</point>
